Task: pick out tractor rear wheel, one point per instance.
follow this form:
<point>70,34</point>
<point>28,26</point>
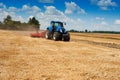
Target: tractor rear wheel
<point>66,37</point>
<point>56,36</point>
<point>60,37</point>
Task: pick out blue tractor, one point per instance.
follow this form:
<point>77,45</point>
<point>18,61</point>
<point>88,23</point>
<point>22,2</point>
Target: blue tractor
<point>56,31</point>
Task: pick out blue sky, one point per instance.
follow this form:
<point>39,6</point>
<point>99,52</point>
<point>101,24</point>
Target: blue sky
<point>78,14</point>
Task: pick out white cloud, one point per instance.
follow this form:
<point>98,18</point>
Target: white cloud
<point>36,8</point>
<point>99,23</point>
<point>3,14</point>
<point>103,23</point>
<point>104,8</point>
<point>104,4</point>
<point>80,21</point>
<point>13,9</point>
<point>18,18</point>
<point>117,21</point>
<point>30,17</point>
<point>30,9</point>
<point>46,1</point>
<point>25,7</point>
<point>2,6</point>
<point>4,11</point>
<point>72,7</point>
<point>13,12</point>
<point>51,10</point>
<point>10,11</point>
<point>99,18</point>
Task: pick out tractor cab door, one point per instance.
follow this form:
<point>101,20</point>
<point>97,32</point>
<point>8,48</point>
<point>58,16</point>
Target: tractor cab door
<point>53,26</point>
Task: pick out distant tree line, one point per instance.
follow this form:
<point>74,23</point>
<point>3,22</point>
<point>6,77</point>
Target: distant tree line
<point>87,31</point>
<point>72,30</point>
<point>9,24</point>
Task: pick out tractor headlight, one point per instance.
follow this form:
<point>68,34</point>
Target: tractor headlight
<point>61,30</point>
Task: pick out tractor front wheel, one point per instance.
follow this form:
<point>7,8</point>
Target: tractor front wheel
<point>56,36</point>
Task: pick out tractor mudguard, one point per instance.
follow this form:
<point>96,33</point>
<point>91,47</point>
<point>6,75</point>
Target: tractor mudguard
<point>50,28</point>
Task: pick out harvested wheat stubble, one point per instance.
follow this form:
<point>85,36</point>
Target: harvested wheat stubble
<point>83,58</point>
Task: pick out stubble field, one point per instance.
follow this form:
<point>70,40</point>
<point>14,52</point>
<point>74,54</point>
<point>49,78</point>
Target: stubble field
<point>85,57</point>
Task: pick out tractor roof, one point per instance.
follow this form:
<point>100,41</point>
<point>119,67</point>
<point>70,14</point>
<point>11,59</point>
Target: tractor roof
<point>56,22</point>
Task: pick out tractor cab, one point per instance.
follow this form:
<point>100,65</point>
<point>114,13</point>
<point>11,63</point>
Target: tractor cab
<point>56,23</point>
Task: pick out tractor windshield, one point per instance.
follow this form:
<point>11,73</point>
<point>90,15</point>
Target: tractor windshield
<point>58,24</point>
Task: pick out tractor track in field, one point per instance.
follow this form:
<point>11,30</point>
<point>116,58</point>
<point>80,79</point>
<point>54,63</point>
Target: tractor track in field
<point>110,45</point>
<point>98,37</point>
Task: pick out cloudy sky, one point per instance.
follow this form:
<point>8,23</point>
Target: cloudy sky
<point>78,14</point>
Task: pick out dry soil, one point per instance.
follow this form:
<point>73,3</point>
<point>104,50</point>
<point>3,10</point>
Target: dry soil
<point>85,57</point>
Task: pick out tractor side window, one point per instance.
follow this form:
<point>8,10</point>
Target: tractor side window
<point>51,24</point>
